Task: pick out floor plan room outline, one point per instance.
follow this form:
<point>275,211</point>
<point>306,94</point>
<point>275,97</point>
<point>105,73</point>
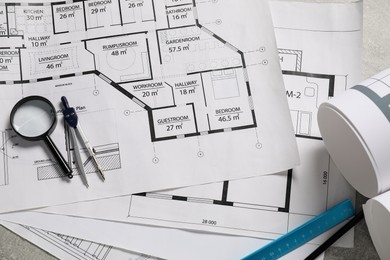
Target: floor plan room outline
<point>305,92</point>
<point>124,58</point>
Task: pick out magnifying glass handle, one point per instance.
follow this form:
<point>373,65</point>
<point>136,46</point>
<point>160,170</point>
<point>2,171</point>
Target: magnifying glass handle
<point>60,159</point>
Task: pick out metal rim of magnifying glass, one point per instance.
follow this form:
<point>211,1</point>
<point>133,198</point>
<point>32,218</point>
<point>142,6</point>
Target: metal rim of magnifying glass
<point>25,100</point>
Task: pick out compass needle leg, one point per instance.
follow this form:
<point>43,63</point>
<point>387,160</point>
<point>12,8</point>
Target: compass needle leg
<point>72,119</point>
<point>77,155</point>
<point>91,151</point>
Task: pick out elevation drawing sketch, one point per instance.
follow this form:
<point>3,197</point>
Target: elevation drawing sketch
<point>78,248</point>
<point>3,159</point>
<point>72,248</point>
<point>108,157</point>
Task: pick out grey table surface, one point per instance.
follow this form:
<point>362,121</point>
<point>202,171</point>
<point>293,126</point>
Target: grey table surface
<point>376,57</point>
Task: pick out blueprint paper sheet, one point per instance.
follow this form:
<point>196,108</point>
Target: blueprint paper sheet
<point>71,248</point>
<point>162,242</point>
<point>301,191</point>
<point>272,205</point>
<point>243,217</point>
<point>169,95</point>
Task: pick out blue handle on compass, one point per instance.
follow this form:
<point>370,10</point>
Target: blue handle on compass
<point>304,233</point>
<point>69,113</point>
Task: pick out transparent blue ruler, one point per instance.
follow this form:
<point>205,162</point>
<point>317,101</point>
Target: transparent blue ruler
<point>304,233</point>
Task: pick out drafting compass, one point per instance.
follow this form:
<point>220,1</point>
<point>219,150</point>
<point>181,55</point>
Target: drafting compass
<point>75,130</point>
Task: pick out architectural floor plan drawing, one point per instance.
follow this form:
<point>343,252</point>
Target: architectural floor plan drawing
<point>216,207</point>
<point>156,84</point>
<point>283,200</point>
<point>209,91</point>
<point>305,91</point>
<point>273,199</point>
<point>265,206</point>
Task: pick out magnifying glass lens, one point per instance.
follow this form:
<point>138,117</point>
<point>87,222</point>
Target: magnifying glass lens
<point>33,118</point>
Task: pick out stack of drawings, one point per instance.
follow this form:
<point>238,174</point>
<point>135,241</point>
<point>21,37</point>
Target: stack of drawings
<point>193,104</point>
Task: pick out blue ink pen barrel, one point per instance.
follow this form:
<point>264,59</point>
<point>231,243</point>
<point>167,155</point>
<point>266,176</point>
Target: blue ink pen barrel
<point>34,118</point>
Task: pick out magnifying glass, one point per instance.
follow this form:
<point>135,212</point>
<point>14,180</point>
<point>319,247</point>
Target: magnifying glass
<point>34,118</point>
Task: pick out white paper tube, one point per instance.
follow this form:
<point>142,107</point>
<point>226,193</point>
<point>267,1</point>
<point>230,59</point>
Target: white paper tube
<point>377,216</point>
<point>355,127</point>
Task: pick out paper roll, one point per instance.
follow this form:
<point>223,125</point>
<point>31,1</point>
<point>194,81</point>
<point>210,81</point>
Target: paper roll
<point>355,127</point>
<point>377,215</point>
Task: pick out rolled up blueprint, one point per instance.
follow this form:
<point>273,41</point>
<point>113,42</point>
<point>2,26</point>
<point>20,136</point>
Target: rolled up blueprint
<point>355,127</point>
<point>377,215</point>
